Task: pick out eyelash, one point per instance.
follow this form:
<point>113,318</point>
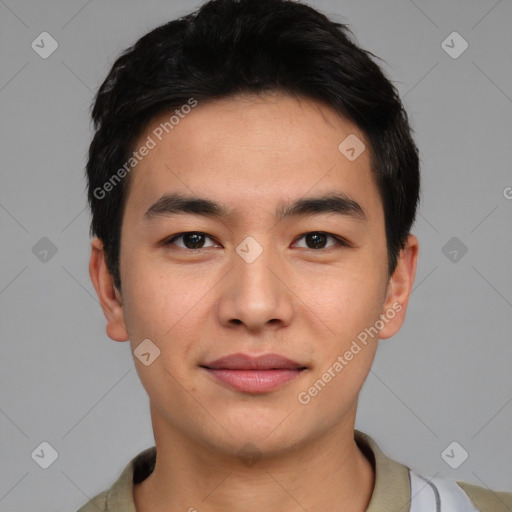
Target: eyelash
<point>340,242</point>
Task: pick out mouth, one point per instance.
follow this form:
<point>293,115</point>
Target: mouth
<point>250,374</point>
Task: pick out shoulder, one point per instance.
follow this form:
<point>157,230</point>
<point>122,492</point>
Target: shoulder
<point>437,494</point>
<point>445,495</point>
<point>119,496</point>
<point>396,482</point>
<point>487,500</point>
<point>96,504</point>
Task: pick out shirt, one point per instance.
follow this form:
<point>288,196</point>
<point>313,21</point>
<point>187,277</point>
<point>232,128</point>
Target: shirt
<point>396,488</point>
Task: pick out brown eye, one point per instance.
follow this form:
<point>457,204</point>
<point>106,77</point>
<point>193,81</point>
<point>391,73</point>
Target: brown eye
<point>319,239</point>
<point>190,240</point>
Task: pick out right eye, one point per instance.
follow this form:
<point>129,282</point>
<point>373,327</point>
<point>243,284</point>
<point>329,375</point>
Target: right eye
<point>193,240</point>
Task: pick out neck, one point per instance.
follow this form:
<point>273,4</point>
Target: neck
<point>319,475</point>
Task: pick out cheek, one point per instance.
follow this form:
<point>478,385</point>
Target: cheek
<point>351,307</point>
<point>349,302</point>
<point>157,303</point>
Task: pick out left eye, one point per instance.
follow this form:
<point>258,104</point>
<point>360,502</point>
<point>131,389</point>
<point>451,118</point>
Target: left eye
<point>318,239</point>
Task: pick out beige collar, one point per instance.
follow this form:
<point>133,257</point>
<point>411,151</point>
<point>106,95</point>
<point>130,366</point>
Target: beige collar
<point>391,492</point>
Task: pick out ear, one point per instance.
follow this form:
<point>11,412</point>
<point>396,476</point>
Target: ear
<point>108,294</point>
<point>399,289</point>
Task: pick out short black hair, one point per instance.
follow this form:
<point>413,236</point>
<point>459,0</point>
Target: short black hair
<point>231,47</point>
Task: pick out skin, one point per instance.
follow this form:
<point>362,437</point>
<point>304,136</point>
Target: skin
<point>249,153</point>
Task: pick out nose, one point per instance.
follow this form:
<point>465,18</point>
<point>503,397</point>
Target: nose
<point>256,294</point>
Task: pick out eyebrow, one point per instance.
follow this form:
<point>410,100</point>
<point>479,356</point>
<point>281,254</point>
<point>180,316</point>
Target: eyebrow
<point>337,203</point>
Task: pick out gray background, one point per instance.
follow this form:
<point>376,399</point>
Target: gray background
<point>445,377</point>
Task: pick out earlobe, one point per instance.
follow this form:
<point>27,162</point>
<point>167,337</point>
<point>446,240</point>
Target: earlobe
<point>108,295</point>
<point>399,289</point>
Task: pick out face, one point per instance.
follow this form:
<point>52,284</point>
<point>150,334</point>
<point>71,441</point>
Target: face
<point>285,255</point>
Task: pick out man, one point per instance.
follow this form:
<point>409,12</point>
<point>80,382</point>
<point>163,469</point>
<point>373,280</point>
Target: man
<point>253,182</point>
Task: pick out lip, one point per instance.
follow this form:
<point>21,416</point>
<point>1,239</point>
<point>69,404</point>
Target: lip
<point>246,362</point>
<point>254,374</point>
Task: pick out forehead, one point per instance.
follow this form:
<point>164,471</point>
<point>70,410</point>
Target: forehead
<point>253,147</point>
